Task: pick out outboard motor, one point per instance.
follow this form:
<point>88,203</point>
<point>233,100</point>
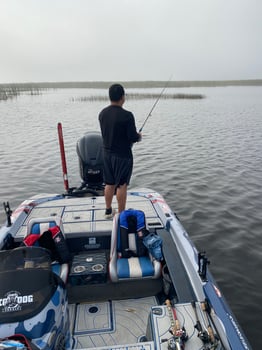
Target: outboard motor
<point>90,153</point>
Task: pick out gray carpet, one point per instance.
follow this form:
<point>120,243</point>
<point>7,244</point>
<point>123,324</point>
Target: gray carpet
<point>111,323</point>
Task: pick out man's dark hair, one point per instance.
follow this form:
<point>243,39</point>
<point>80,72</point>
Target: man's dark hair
<point>116,91</point>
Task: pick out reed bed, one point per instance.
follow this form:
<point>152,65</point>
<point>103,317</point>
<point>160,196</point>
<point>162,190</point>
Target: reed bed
<point>15,90</point>
<point>8,92</point>
<point>137,96</point>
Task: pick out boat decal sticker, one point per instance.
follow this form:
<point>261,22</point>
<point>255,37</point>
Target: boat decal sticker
<point>218,293</point>
<point>13,301</point>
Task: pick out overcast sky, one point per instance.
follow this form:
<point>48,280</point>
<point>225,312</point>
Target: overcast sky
<point>120,40</point>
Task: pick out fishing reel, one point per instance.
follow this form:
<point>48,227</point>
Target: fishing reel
<point>202,334</point>
<point>177,341</point>
<point>173,344</point>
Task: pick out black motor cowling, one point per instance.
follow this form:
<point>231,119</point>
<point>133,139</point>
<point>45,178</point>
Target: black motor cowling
<point>90,154</point>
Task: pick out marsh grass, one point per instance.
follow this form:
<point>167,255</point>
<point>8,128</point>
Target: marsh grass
<point>8,91</point>
<point>137,96</point>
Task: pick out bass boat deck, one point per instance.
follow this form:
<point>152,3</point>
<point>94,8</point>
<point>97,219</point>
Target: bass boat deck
<point>70,279</point>
<point>182,308</point>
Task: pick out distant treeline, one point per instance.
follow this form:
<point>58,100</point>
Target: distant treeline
<point>13,90</point>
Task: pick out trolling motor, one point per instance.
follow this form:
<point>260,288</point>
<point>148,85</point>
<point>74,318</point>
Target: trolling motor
<point>202,265</point>
<point>8,213</point>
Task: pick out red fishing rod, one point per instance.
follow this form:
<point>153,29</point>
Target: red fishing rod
<point>62,153</point>
<point>179,335</point>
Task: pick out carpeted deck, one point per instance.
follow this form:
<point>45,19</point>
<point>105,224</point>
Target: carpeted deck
<point>110,323</point>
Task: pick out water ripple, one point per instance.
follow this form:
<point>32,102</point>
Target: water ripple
<point>204,156</point>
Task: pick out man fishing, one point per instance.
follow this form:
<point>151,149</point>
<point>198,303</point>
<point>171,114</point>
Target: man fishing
<point>119,133</point>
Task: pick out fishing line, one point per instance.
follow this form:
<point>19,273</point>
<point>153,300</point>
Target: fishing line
<point>154,105</point>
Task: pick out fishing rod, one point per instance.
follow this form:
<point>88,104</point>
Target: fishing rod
<point>212,336</point>
<point>179,335</point>
<point>154,105</point>
<point>63,158</point>
<point>202,333</point>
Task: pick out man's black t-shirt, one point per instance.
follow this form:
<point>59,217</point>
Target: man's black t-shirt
<point>118,130</point>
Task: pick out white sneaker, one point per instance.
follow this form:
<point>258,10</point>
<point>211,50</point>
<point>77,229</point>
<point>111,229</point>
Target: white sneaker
<point>110,215</point>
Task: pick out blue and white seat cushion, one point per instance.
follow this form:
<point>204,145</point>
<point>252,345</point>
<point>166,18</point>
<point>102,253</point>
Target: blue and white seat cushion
<point>127,265</point>
<point>135,267</point>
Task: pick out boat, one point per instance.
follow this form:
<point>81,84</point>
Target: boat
<point>71,279</point>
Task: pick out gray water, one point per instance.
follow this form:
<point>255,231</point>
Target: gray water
<point>203,156</point>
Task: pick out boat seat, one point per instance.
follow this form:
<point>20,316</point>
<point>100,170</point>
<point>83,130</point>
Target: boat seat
<point>48,233</point>
<point>129,258</point>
